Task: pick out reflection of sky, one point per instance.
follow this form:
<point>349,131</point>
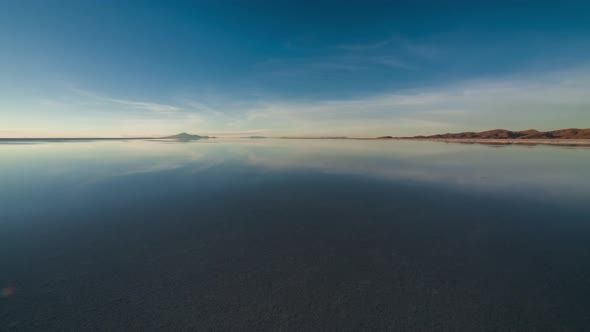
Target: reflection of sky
<point>279,226</point>
<point>552,172</point>
<point>546,170</point>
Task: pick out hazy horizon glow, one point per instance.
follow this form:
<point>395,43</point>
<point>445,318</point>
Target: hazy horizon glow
<point>106,69</point>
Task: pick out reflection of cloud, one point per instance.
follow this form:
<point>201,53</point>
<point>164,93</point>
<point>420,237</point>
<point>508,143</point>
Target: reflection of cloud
<point>467,167</point>
<point>95,161</point>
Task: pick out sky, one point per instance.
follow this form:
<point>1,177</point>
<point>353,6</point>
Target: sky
<point>107,68</point>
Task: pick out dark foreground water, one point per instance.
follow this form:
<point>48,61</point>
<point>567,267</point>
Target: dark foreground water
<point>301,235</point>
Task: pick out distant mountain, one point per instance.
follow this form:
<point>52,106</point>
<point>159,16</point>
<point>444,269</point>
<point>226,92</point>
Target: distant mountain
<point>254,137</point>
<point>572,133</point>
<point>186,136</point>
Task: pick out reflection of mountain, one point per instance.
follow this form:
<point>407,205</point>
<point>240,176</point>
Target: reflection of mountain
<point>186,136</point>
<point>572,133</point>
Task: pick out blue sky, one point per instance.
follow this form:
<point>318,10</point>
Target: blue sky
<point>124,68</point>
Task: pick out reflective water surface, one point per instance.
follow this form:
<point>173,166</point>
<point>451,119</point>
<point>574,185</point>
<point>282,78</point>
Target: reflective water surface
<point>293,235</point>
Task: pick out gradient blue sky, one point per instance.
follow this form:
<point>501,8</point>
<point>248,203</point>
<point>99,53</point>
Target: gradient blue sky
<point>125,68</point>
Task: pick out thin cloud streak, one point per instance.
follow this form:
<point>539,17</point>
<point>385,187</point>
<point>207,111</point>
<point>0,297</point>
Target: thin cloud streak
<point>139,105</point>
<point>345,63</point>
<point>368,46</point>
<point>148,106</point>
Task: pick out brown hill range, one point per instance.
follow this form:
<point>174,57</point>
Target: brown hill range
<point>572,133</point>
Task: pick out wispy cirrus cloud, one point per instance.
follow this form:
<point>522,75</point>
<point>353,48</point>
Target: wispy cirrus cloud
<point>401,46</point>
<point>366,46</point>
<point>545,101</point>
<point>147,106</point>
<point>336,63</point>
<point>423,50</point>
<point>392,53</point>
<point>509,102</point>
<point>89,96</point>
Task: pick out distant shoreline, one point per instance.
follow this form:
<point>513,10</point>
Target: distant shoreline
<point>80,139</point>
<point>485,141</point>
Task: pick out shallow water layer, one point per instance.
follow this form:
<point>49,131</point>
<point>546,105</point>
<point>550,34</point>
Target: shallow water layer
<point>293,235</point>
